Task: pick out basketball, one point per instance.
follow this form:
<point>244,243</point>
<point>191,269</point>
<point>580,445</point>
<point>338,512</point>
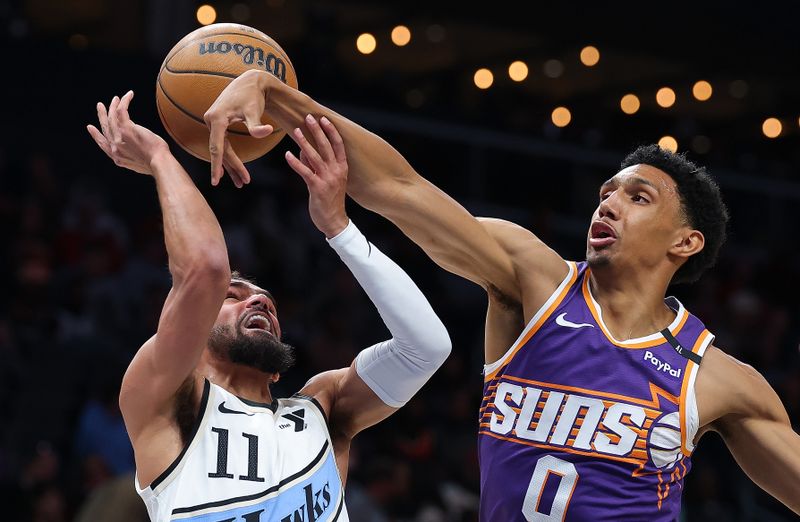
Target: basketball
<point>196,71</point>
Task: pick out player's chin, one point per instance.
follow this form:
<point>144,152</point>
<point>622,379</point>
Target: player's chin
<point>596,258</point>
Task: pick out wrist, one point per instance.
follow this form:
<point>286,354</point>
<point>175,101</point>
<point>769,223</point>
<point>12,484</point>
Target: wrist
<point>335,227</point>
<point>160,158</point>
<point>266,83</point>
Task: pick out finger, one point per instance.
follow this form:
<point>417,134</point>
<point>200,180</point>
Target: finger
<point>306,173</point>
<point>102,117</point>
<point>235,165</point>
<point>255,127</point>
<point>323,145</point>
<point>122,108</point>
<point>216,146</point>
<point>112,122</point>
<point>314,160</point>
<point>335,138</point>
<point>98,138</point>
<point>304,159</point>
<point>234,177</point>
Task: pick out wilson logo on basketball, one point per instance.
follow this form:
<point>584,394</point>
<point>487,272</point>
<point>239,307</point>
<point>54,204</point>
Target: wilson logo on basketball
<point>250,55</point>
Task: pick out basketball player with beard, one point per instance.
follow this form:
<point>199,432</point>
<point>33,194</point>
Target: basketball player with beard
<point>596,387</point>
<point>211,442</point>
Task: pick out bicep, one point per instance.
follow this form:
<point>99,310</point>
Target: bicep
<point>165,361</point>
<point>447,232</point>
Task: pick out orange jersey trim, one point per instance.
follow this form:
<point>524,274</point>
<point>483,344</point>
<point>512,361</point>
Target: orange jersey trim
<point>701,340</point>
<point>587,296</point>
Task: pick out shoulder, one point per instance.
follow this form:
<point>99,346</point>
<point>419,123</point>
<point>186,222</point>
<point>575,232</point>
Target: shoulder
<point>322,388</point>
<point>728,389</point>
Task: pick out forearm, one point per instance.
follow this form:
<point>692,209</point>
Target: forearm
<point>398,368</point>
<point>769,452</point>
<point>381,180</point>
<point>378,173</point>
<point>192,233</point>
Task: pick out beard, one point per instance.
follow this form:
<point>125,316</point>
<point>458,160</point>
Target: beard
<point>597,260</point>
<point>261,350</point>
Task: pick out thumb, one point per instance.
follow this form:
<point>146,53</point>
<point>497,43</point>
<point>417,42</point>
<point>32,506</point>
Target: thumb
<point>256,128</point>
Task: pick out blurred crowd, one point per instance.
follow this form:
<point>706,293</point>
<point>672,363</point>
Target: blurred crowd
<point>84,273</point>
<point>83,268</point>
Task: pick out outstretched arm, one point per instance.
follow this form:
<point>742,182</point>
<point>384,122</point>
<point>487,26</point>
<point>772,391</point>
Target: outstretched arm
<point>754,426</point>
<point>380,178</point>
<point>385,376</point>
<point>198,262</point>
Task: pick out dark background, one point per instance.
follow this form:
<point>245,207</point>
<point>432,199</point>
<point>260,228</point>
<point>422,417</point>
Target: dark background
<point>84,269</point>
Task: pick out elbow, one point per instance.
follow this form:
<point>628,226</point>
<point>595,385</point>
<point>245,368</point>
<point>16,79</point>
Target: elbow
<point>440,344</point>
<point>207,267</point>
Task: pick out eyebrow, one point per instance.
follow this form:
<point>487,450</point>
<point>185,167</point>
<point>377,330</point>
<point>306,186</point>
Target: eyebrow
<point>252,287</point>
<point>631,181</point>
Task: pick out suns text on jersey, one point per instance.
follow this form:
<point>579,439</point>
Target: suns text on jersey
<point>568,419</point>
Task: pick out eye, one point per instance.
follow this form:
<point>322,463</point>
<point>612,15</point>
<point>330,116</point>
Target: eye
<point>638,198</point>
<point>605,195</point>
<point>231,295</point>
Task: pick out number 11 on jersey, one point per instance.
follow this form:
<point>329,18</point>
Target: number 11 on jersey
<point>548,469</point>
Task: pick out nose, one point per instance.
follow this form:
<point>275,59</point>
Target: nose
<point>257,301</point>
<point>608,207</point>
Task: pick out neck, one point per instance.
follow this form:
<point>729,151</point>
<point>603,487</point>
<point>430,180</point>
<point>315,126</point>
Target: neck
<point>242,381</point>
<point>632,303</point>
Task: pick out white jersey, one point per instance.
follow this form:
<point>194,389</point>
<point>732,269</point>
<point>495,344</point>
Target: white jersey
<point>251,462</point>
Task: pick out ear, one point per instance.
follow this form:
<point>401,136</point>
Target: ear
<point>687,243</point>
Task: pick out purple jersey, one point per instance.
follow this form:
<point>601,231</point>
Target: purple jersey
<point>576,425</point>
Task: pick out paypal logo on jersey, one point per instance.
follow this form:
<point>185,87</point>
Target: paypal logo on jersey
<point>661,366</point>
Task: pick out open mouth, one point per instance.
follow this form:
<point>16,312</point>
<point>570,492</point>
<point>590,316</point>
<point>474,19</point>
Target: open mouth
<point>601,234</point>
<point>258,322</point>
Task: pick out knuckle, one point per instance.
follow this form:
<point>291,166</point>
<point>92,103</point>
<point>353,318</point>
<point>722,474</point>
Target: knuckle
<point>212,116</point>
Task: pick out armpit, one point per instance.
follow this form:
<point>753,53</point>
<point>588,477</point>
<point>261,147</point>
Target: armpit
<point>503,299</point>
<point>185,409</point>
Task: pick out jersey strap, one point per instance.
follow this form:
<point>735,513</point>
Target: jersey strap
<point>683,352</point>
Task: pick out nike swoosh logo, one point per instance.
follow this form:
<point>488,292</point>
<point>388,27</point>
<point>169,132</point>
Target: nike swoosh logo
<point>561,321</point>
<point>223,409</point>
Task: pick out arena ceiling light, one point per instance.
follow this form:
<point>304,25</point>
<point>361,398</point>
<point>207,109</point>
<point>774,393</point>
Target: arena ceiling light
<point>702,90</point>
<point>483,78</point>
<point>629,104</point>
<point>206,14</point>
<point>668,143</point>
<point>366,43</point>
<point>590,56</point>
<point>665,97</point>
<point>561,117</point>
<point>772,127</point>
<point>518,71</point>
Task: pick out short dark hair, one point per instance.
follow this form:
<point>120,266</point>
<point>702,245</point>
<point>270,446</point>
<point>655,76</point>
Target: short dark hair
<point>701,204</point>
<point>237,276</point>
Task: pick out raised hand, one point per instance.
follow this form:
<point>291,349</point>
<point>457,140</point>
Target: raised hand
<point>129,145</point>
<point>241,101</point>
<point>324,169</point>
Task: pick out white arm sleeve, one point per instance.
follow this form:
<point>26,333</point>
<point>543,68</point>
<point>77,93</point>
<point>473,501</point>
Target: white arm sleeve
<point>395,369</point>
